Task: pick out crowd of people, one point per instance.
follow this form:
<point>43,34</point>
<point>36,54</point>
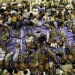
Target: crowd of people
<point>37,41</point>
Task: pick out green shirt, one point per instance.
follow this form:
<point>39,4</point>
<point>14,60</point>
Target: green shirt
<point>5,37</point>
<point>1,72</point>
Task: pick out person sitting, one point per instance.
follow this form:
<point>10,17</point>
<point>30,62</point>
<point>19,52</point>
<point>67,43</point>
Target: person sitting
<point>4,39</point>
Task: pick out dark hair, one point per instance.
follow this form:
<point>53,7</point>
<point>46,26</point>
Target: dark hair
<point>20,14</point>
<point>52,23</point>
<point>42,39</point>
<point>59,15</point>
<point>24,2</point>
<point>31,14</point>
<point>29,23</point>
<point>25,72</point>
<point>15,71</point>
<point>1,11</point>
<point>10,70</point>
<point>30,52</point>
<point>53,12</point>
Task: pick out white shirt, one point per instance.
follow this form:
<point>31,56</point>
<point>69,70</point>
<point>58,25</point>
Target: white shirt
<point>15,57</point>
<point>29,39</point>
<point>8,56</point>
<point>61,72</point>
<point>48,33</point>
<point>54,45</point>
<point>2,54</point>
<point>62,32</point>
<point>51,64</point>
